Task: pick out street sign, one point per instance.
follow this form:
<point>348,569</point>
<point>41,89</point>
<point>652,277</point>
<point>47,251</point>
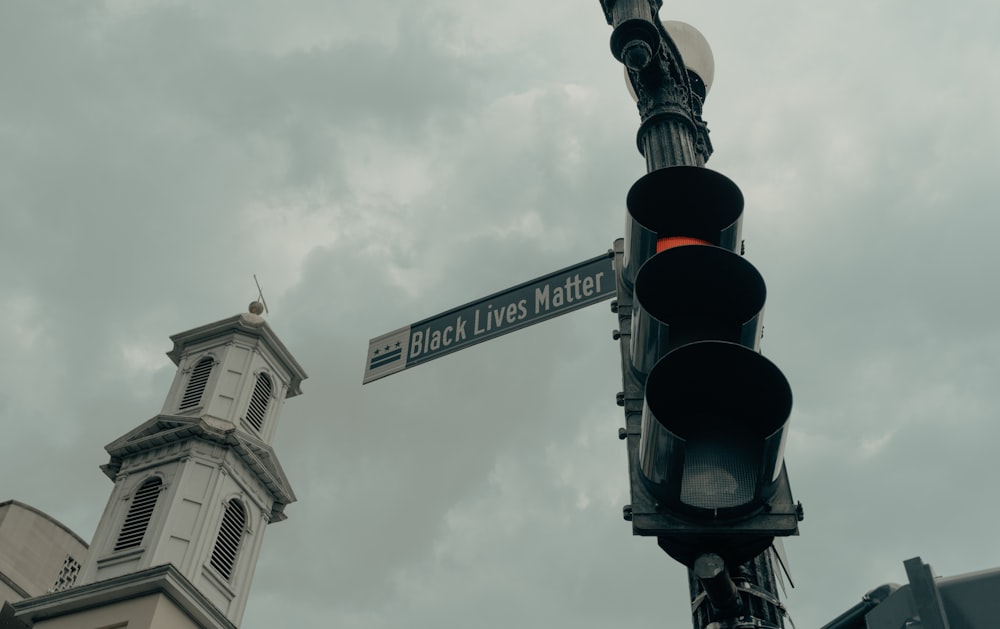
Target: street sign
<point>517,307</point>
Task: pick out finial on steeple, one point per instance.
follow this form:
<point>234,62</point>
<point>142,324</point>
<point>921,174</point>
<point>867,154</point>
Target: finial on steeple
<point>259,305</point>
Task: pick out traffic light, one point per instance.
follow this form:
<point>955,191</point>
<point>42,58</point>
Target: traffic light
<point>707,465</point>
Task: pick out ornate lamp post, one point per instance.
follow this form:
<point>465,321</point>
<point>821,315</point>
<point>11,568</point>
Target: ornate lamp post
<point>705,413</point>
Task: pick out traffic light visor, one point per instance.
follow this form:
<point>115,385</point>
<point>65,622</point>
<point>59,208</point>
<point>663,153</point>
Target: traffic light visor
<point>680,201</point>
<point>694,293</point>
<point>713,428</point>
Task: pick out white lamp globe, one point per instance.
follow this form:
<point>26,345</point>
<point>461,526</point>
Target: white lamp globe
<point>694,49</point>
<point>696,52</point>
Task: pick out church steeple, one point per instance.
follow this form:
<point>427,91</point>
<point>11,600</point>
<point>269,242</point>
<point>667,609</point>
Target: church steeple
<point>196,485</point>
<point>236,371</point>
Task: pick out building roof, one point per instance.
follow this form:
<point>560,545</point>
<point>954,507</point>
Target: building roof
<point>7,504</point>
<point>35,550</point>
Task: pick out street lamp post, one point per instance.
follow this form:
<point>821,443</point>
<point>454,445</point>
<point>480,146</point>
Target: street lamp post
<point>705,413</point>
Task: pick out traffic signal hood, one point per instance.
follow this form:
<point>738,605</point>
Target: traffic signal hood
<point>691,293</point>
<point>688,202</point>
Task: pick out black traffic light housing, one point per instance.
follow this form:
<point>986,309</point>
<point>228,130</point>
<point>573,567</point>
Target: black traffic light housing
<point>706,463</point>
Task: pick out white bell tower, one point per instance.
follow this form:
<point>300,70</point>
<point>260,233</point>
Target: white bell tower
<point>196,485</point>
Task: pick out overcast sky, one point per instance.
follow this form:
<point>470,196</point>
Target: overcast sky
<point>376,162</point>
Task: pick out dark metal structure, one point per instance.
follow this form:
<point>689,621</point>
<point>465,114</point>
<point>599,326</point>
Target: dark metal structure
<point>705,413</point>
<point>965,601</point>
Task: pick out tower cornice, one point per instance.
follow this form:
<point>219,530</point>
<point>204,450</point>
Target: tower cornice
<point>247,324</point>
<point>165,430</point>
<point>166,580</point>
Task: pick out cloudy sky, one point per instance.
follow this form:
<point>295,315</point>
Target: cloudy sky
<point>377,162</point>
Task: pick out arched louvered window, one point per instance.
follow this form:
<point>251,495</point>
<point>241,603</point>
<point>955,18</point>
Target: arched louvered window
<point>259,401</point>
<point>227,545</point>
<point>196,383</point>
<point>139,513</point>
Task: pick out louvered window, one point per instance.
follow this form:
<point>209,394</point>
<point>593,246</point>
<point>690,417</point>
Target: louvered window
<point>227,545</point>
<point>258,401</point>
<point>196,383</point>
<point>139,513</point>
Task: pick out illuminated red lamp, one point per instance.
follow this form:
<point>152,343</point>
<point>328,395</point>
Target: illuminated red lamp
<point>669,242</point>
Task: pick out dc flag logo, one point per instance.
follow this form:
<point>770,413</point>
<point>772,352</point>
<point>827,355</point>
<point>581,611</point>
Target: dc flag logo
<point>387,354</point>
<point>384,356</point>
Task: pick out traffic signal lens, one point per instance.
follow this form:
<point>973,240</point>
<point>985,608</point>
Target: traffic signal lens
<point>662,244</point>
<point>719,471</point>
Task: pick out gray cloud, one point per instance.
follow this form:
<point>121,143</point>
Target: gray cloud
<point>376,163</point>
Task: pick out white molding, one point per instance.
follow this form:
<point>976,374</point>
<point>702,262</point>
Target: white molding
<point>165,579</point>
